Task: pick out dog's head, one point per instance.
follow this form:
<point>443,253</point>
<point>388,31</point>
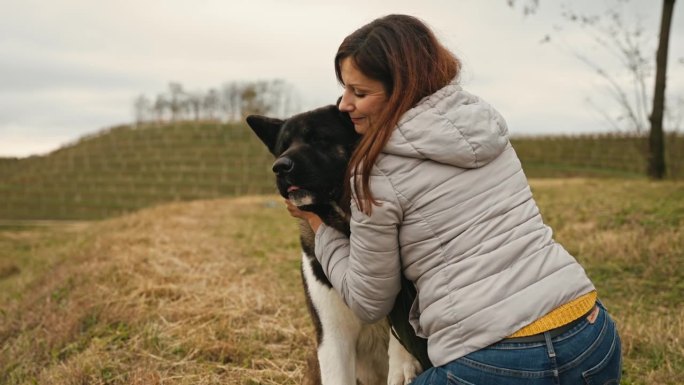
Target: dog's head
<point>312,150</point>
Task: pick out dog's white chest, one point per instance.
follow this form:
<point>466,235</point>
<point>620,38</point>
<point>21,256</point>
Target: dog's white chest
<point>350,350</point>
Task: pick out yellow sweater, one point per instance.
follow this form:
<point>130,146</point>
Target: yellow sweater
<point>560,316</point>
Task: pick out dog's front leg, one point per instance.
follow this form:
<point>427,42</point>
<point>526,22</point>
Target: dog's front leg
<point>337,360</point>
<point>403,367</point>
<point>338,333</point>
<point>337,350</point>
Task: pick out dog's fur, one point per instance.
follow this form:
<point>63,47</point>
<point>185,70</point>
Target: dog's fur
<point>312,151</point>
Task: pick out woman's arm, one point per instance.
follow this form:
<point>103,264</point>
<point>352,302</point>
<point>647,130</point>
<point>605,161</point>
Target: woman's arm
<point>365,268</point>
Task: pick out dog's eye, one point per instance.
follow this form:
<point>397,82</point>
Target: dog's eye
<point>323,143</point>
<point>319,141</point>
<point>313,139</point>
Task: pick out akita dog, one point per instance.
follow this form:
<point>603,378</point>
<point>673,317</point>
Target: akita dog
<point>312,151</point>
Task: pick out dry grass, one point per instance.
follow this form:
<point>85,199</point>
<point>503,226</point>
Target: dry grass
<point>181,294</point>
<point>209,292</point>
<point>629,236</point>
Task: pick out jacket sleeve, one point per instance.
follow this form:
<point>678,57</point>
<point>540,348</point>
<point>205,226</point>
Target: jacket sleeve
<point>366,268</point>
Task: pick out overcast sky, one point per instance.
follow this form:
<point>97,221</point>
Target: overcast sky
<point>73,67</point>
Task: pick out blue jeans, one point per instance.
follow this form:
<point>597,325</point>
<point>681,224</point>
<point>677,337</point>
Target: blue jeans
<point>588,353</point>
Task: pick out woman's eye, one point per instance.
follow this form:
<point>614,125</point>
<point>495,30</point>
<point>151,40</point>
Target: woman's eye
<point>359,95</point>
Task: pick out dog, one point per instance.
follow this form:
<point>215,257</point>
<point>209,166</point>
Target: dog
<point>312,151</point>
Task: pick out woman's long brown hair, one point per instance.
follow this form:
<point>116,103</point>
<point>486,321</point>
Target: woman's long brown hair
<point>403,54</point>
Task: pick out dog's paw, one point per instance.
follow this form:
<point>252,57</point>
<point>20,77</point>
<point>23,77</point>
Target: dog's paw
<point>403,367</point>
<point>405,373</point>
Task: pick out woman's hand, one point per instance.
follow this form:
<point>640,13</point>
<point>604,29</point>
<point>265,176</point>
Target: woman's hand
<point>313,219</point>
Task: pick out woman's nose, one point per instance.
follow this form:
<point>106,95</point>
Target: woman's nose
<point>345,104</point>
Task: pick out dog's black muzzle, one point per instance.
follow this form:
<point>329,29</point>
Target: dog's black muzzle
<point>283,166</point>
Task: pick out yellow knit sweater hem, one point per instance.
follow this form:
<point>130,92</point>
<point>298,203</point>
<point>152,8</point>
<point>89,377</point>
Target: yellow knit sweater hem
<point>560,316</point>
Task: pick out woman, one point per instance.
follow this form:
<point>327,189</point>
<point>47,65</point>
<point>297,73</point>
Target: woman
<point>438,192</point>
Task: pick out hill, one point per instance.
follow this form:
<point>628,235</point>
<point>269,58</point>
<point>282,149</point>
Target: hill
<point>127,168</point>
<point>209,292</point>
<point>124,168</point>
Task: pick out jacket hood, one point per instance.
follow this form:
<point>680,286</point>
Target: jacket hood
<point>452,127</point>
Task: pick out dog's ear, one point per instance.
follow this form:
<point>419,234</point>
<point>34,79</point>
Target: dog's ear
<point>267,129</point>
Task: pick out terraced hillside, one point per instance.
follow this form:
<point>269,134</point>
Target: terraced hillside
<point>123,169</point>
<point>604,155</point>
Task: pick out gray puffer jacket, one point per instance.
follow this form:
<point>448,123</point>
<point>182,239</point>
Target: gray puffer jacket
<point>457,215</point>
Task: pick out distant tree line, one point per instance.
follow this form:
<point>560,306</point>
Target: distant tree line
<point>231,102</point>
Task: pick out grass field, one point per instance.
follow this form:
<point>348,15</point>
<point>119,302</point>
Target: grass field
<point>208,292</point>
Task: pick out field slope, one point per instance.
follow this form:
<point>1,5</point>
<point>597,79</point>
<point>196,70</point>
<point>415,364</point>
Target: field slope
<point>208,292</point>
<point>124,168</point>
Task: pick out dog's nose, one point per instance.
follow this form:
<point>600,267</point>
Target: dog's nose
<point>283,165</point>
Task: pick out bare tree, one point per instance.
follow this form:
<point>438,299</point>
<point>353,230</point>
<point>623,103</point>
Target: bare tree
<point>142,107</point>
<point>626,42</point>
<point>290,102</point>
<point>656,158</point>
<point>279,97</point>
<point>235,101</point>
<point>160,105</point>
<point>253,100</point>
<point>177,100</point>
<point>210,104</point>
<point>231,101</point>
<point>194,103</point>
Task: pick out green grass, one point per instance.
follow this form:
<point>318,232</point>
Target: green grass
<point>209,292</point>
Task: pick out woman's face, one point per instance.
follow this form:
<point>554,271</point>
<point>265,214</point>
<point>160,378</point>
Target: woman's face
<point>363,98</point>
